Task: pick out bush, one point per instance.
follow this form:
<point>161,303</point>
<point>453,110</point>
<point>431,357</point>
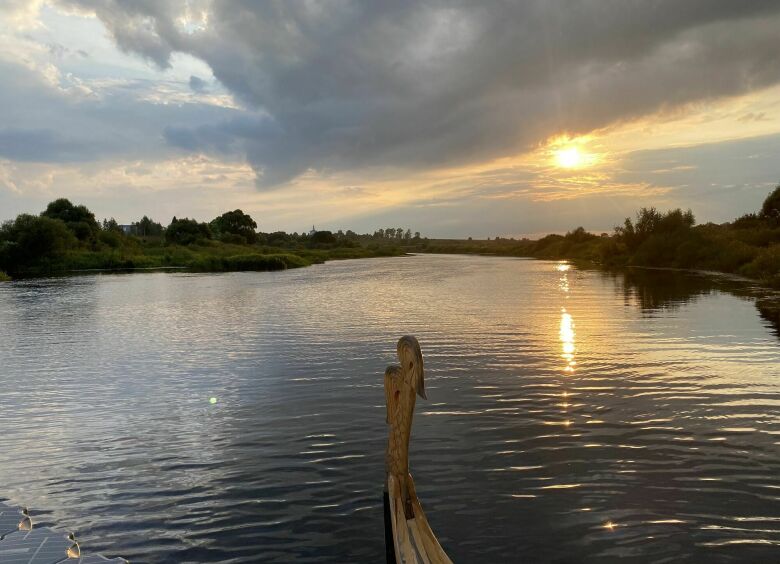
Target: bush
<point>111,238</point>
<point>33,243</point>
<point>4,277</point>
<point>255,262</point>
<point>765,266</point>
<point>233,239</point>
<point>248,262</point>
<point>322,238</point>
<point>186,232</point>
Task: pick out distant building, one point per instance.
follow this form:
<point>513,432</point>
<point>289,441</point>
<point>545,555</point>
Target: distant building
<point>129,229</point>
<point>313,231</point>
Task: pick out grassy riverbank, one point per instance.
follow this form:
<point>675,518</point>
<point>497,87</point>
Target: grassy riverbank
<point>207,256</point>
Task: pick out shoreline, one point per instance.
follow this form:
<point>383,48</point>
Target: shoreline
<point>209,268</point>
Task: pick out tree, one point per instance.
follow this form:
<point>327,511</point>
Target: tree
<point>33,241</point>
<point>147,228</point>
<point>650,221</point>
<point>111,225</point>
<point>186,231</point>
<point>235,222</point>
<point>323,238</point>
<point>771,207</point>
<point>78,219</point>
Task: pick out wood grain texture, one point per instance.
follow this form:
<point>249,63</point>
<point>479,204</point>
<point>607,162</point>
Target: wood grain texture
<point>413,539</point>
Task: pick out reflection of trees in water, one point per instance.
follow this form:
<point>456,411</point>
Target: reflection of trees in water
<point>661,289</point>
<point>657,289</point>
<point>769,309</point>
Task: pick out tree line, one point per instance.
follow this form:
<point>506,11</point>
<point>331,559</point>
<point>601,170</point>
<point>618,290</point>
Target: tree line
<point>40,242</point>
<point>748,246</point>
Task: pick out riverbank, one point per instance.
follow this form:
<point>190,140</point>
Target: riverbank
<point>212,256</point>
<point>748,247</point>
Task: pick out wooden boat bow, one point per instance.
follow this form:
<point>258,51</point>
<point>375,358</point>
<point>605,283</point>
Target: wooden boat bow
<point>408,536</point>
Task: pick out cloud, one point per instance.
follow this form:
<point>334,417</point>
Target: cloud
<point>753,116</point>
<point>38,145</point>
<point>197,84</point>
<point>418,85</point>
<point>46,116</point>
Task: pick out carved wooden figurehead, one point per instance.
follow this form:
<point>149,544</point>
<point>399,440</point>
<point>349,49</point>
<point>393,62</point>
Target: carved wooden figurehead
<point>409,538</point>
<point>401,384</point>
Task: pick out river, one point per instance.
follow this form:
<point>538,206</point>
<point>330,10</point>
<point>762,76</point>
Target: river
<point>573,415</point>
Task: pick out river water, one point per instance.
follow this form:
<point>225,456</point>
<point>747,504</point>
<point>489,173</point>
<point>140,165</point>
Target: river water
<point>573,415</point>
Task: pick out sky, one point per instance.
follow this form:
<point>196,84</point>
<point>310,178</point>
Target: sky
<point>454,119</point>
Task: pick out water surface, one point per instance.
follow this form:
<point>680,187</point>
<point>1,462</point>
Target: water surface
<point>574,416</point>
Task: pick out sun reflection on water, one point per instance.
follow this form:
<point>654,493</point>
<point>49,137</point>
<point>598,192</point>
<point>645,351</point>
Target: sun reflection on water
<point>567,341</point>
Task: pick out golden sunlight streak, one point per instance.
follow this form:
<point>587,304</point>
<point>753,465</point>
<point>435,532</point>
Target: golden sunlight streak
<point>567,340</point>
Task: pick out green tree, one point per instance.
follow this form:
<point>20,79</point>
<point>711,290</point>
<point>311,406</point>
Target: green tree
<point>111,225</point>
<point>147,228</point>
<point>32,241</point>
<point>186,231</point>
<point>771,207</point>
<point>650,221</point>
<point>78,219</point>
<point>323,238</point>
<point>235,222</point>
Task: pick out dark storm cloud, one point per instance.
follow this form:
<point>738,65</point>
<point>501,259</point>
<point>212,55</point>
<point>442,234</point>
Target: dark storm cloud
<point>405,84</point>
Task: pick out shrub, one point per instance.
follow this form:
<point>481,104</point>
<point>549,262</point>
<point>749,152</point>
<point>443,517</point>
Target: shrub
<point>765,266</point>
<point>247,262</point>
<point>322,238</point>
<point>186,231</point>
<point>233,239</point>
<point>33,242</point>
<point>255,262</point>
<point>4,277</point>
<point>111,238</point>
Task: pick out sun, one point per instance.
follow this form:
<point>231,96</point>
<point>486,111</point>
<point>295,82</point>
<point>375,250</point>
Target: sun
<point>569,157</point>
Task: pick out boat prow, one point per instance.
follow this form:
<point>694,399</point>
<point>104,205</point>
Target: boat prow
<point>408,536</point>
